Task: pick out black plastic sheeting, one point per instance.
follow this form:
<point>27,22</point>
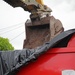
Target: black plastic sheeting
<point>12,60</point>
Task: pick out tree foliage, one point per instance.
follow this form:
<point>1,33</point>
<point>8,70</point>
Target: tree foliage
<point>5,45</point>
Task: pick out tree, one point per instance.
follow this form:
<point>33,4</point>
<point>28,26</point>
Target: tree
<point>5,45</point>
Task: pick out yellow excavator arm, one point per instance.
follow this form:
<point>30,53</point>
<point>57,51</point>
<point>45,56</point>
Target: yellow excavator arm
<point>40,2</point>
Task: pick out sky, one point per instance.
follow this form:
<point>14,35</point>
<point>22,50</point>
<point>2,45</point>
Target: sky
<point>12,20</point>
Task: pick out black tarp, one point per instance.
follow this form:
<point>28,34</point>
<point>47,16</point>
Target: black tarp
<point>10,61</point>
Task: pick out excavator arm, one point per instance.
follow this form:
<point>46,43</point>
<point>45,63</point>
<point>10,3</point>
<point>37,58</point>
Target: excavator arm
<point>35,7</point>
<point>17,3</point>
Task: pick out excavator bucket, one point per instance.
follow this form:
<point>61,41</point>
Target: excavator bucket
<point>37,33</point>
<point>41,31</point>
